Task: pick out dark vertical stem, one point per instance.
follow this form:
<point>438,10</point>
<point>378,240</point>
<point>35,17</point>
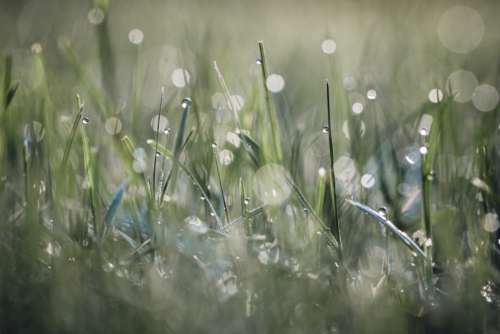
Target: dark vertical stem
<point>156,141</point>
<point>226,211</point>
<point>336,225</point>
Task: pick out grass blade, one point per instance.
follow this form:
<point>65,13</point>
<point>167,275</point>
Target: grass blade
<point>336,223</point>
<point>76,122</point>
<point>390,226</point>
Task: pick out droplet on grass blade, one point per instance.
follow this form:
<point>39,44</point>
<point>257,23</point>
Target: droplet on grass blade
<point>425,124</point>
<point>435,95</point>
<point>367,181</point>
<point>186,103</point>
<point>371,94</point>
<point>85,120</point>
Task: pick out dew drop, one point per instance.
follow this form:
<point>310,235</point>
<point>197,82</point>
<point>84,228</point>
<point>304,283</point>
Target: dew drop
<point>383,212</point>
<point>186,102</point>
<point>258,61</point>
<point>85,120</point>
<point>371,94</point>
<point>423,150</point>
<point>325,130</point>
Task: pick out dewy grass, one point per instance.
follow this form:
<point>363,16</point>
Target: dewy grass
<point>86,247</point>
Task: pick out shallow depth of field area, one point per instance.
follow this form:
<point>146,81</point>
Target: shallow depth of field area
<point>188,166</point>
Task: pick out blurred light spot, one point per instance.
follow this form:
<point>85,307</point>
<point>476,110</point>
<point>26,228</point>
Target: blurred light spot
<point>180,77</point>
<point>196,225</point>
<point>329,46</point>
<point>485,97</point>
<point>435,95</point>
<point>357,108</point>
<point>36,48</point>
<point>347,133</point>
<point>218,101</point>
<point>423,150</point>
<point>160,123</point>
<point>237,102</point>
<point>275,83</point>
<point>349,82</point>
<point>371,94</point>
<point>113,126</point>
<point>95,16</point>
<point>490,222</point>
<point>462,84</point>
<point>271,184</point>
<point>139,166</point>
<point>321,172</point>
<point>345,168</point>
<point>233,139</point>
<point>460,29</point>
<point>226,157</point>
<point>367,181</point>
<point>136,36</point>
<point>139,153</point>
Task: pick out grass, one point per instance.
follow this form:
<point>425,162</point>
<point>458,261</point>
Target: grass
<point>149,230</point>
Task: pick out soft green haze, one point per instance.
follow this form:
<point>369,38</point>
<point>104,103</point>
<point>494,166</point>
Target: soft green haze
<point>166,166</point>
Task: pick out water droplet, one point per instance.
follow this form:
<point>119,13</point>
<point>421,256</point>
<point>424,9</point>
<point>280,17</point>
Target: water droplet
<point>158,154</point>
<point>167,131</point>
<point>246,201</point>
<point>382,212</point>
<point>202,198</point>
<point>357,108</point>
<point>423,132</point>
<point>325,129</point>
<point>258,61</point>
<point>367,181</point>
<point>186,103</point>
<point>436,95</point>
<point>371,94</point>
<point>423,150</point>
<point>85,120</point>
<point>430,176</point>
<point>321,172</point>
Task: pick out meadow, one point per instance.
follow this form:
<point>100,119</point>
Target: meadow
<point>249,166</point>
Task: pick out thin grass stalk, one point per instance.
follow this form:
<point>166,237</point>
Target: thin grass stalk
<point>226,211</point>
<point>156,139</point>
<point>76,122</point>
<point>269,106</point>
<point>336,224</point>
